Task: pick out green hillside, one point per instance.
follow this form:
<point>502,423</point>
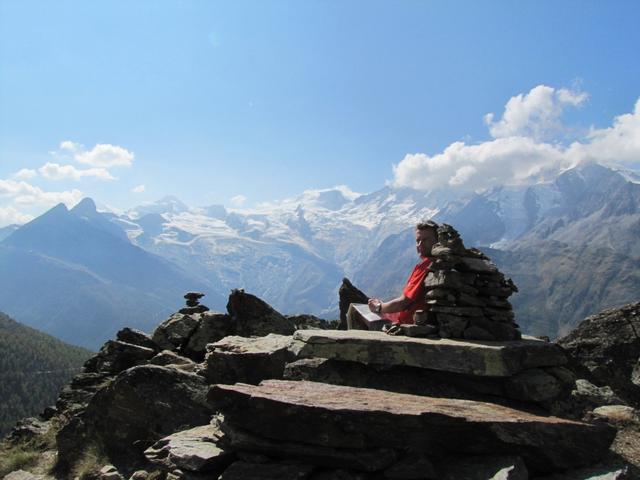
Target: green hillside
<point>33,368</point>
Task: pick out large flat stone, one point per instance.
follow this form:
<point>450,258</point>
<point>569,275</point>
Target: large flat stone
<point>485,358</point>
<point>347,417</point>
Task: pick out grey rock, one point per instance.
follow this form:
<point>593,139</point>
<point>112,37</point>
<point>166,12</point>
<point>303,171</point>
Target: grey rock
<point>459,356</point>
<point>254,317</point>
<point>212,327</point>
<point>617,414</point>
<point>194,450</point>
<point>276,409</point>
<point>357,459</point>
<point>175,331</point>
<point>116,356</point>
<point>250,360</point>
<point>109,472</point>
<point>145,403</point>
<point>605,349</point>
<point>348,294</point>
<point>533,385</point>
<point>167,357</point>
<point>136,337</point>
<point>594,396</point>
<point>27,429</point>
<point>451,326</point>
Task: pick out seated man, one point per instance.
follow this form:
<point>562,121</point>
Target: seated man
<point>400,310</point>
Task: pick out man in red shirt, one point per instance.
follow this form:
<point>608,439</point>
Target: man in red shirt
<point>400,310</point>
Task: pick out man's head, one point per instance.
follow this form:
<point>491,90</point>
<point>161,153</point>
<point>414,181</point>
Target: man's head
<point>426,237</point>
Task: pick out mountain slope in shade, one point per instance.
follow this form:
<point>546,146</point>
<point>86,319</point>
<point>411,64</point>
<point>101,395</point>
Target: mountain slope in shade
<point>72,277</point>
<point>33,368</point>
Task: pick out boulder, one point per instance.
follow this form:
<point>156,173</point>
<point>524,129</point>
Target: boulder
<point>212,327</point>
<point>249,360</point>
<point>605,349</point>
<point>533,385</point>
<point>167,357</point>
<point>136,337</point>
<point>116,356</point>
<point>254,317</point>
<point>175,331</point>
<point>617,414</point>
<point>193,450</point>
<point>458,356</point>
<point>145,403</point>
<point>348,294</point>
<point>347,417</point>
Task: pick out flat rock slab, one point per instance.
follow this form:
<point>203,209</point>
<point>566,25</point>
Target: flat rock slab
<point>484,358</point>
<point>194,450</point>
<point>348,417</point>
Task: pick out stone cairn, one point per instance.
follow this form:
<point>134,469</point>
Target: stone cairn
<point>466,293</point>
<point>193,303</point>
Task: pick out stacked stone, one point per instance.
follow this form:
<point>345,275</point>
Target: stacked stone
<point>193,304</point>
<point>467,293</point>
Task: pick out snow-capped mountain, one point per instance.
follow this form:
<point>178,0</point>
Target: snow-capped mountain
<point>295,252</point>
<point>572,242</point>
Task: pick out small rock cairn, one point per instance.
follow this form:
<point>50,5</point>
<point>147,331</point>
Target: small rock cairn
<point>466,293</point>
<point>193,303</point>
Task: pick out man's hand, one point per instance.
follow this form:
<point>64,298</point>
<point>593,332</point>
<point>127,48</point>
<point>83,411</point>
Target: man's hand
<point>375,305</point>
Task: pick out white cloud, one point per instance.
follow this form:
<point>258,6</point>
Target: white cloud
<point>535,114</point>
<point>138,189</point>
<point>24,174</point>
<point>9,215</point>
<point>23,193</point>
<point>71,146</point>
<point>55,171</point>
<point>517,154</point>
<point>101,155</point>
<point>238,201</point>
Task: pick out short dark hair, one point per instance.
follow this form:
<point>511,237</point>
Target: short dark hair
<point>428,225</point>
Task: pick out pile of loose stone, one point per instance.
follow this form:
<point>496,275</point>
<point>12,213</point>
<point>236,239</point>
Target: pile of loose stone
<point>467,294</point>
<point>193,304</point>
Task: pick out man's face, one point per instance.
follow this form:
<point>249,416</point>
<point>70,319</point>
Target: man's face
<point>425,239</point>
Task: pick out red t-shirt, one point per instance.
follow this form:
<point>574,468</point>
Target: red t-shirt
<point>415,291</point>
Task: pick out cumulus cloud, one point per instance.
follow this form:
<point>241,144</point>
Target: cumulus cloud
<point>55,171</point>
<point>24,174</point>
<point>9,215</point>
<point>535,114</point>
<point>102,155</point>
<point>138,189</point>
<point>25,194</point>
<point>516,154</point>
<point>238,201</point>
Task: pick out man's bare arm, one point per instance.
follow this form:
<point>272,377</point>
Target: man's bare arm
<point>396,305</point>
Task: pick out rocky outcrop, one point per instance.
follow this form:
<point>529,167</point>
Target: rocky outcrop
<point>348,294</point>
<point>249,360</point>
<point>364,420</point>
<point>605,349</point>
<point>325,404</point>
<point>254,317</point>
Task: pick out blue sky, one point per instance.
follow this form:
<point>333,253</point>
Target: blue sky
<point>241,102</point>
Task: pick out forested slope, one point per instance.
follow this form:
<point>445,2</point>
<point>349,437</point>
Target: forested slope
<point>33,368</point>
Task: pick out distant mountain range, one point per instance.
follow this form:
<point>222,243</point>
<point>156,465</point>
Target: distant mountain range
<point>571,244</point>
